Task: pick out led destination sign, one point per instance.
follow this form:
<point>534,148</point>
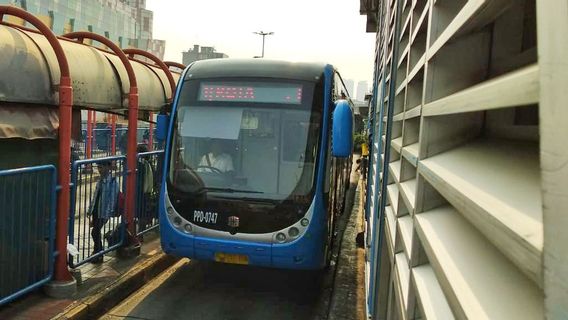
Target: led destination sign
<point>251,92</point>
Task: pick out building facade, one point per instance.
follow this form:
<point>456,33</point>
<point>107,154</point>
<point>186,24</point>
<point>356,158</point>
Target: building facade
<point>350,86</point>
<point>202,53</point>
<point>144,27</point>
<point>467,194</point>
<point>362,89</point>
<point>126,22</point>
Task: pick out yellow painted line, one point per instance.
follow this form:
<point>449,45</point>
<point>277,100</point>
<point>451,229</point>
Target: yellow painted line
<point>133,278</point>
<point>130,303</point>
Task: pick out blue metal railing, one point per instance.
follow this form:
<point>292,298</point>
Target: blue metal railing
<point>91,235</point>
<point>27,229</point>
<point>149,177</point>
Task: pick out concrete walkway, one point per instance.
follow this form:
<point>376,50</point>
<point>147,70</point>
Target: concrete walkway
<point>95,278</point>
<point>348,297</point>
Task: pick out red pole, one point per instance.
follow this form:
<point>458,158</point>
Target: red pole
<point>61,272</point>
<point>151,133</point>
<point>64,199</point>
<point>89,134</point>
<point>113,133</point>
<point>131,160</point>
<point>94,142</point>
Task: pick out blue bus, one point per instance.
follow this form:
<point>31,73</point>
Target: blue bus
<point>251,173</point>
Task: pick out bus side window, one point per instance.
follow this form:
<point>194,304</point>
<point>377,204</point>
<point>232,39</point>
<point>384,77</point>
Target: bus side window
<point>334,93</point>
<point>329,171</point>
<point>340,90</point>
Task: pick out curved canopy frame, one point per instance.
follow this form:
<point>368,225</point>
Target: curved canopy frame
<point>65,104</point>
<point>132,52</point>
<point>132,126</point>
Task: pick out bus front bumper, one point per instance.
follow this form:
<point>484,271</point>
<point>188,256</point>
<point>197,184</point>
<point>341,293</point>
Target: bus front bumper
<point>286,256</point>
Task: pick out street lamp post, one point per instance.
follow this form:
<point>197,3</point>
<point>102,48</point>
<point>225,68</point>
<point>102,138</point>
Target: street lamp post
<point>263,34</point>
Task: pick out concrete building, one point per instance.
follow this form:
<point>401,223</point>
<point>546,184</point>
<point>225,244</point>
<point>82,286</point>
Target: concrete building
<point>467,192</point>
<point>361,113</point>
<point>362,88</point>
<point>205,53</point>
<point>350,86</point>
<point>144,27</point>
<point>126,22</point>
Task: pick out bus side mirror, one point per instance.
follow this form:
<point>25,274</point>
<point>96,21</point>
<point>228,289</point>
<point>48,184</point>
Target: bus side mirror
<point>162,126</point>
<point>342,130</point>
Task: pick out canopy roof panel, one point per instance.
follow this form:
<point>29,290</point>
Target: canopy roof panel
<point>29,74</point>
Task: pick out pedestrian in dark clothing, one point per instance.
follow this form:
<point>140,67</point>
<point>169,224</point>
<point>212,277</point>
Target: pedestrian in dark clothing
<point>146,191</point>
<point>123,142</point>
<point>362,167</point>
<point>102,206</point>
<point>364,164</point>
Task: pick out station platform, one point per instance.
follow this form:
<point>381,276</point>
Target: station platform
<point>95,282</point>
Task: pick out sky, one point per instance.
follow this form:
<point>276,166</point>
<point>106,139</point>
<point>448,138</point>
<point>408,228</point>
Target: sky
<point>330,31</point>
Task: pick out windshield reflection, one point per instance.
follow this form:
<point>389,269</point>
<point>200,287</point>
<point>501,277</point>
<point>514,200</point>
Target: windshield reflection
<point>260,152</point>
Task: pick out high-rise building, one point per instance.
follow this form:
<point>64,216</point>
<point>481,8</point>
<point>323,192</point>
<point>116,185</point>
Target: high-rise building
<point>362,88</point>
<point>126,22</point>
<point>350,86</point>
<point>144,26</point>
<point>195,54</point>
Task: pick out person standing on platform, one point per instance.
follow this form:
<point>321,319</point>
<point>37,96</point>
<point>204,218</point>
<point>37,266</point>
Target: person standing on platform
<point>103,206</point>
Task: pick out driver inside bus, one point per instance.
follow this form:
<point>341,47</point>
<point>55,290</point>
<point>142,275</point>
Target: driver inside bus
<point>217,159</point>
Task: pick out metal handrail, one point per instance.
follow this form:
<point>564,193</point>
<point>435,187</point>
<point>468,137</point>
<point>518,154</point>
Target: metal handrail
<point>75,236</point>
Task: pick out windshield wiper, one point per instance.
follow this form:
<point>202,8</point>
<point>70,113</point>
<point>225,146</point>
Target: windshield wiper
<point>229,190</point>
<point>245,199</point>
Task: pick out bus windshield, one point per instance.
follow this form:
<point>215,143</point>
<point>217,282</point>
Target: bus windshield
<point>253,140</point>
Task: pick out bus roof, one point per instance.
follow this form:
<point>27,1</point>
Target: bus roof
<point>263,68</point>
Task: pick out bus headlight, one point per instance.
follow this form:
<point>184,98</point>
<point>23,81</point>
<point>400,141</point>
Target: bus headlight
<point>187,228</point>
<point>170,211</point>
<point>304,222</point>
<point>177,221</point>
<point>293,232</point>
<point>280,237</point>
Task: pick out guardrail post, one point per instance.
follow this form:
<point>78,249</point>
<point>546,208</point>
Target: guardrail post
<point>89,147</point>
<point>94,132</point>
<point>131,164</point>
<point>113,134</point>
<point>151,133</point>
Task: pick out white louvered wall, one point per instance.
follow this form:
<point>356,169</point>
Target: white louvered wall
<point>464,216</point>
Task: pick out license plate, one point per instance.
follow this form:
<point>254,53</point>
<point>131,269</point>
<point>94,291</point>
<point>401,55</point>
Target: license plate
<point>231,258</point>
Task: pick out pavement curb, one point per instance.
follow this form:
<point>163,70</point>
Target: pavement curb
<point>96,305</point>
<point>329,276</point>
<point>346,301</point>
